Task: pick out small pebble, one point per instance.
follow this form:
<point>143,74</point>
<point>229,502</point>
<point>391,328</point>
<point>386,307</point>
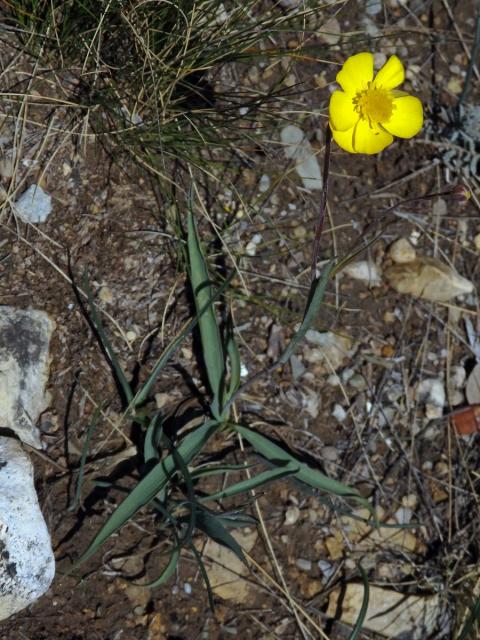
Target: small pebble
<point>304,565</point>
<point>339,413</point>
<point>402,252</point>
<point>292,514</point>
<point>327,568</point>
<point>264,184</point>
<point>330,454</point>
<point>358,382</point>
<point>403,515</point>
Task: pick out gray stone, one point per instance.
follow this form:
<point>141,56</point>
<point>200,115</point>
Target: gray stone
<point>24,363</point>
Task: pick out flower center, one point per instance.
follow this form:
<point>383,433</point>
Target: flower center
<point>374,104</point>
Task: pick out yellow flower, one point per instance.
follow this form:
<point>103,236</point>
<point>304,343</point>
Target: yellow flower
<point>369,111</point>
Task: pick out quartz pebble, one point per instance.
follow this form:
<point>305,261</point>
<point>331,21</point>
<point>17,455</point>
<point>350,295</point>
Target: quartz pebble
<point>34,205</point>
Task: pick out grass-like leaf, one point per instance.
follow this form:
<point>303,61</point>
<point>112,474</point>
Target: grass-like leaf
<point>167,572</point>
<point>210,524</point>
<point>312,310</point>
<point>254,482</point>
<point>152,439</point>
<point>357,629</point>
<point>212,346</point>
<point>83,459</point>
<point>150,486</point>
<point>279,457</point>
<point>107,347</point>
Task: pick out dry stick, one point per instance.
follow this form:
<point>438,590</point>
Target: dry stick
<point>323,202</point>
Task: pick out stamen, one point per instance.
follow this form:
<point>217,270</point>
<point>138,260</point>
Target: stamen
<point>374,104</point>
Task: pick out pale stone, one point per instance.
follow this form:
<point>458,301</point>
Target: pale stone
<point>428,278</point>
<point>34,205</point>
<point>402,252</point>
<point>365,271</point>
<point>331,352</point>
<point>24,363</point>
<point>298,148</point>
<point>226,570</point>
<point>27,564</point>
<point>330,32</point>
<point>431,392</point>
<point>390,613</point>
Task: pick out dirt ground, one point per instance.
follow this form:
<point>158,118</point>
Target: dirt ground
<point>112,222</point>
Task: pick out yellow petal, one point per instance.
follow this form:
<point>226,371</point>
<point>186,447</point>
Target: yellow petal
<point>407,117</point>
<point>391,74</point>
<point>344,139</point>
<point>368,140</point>
<point>356,72</point>
<point>342,112</point>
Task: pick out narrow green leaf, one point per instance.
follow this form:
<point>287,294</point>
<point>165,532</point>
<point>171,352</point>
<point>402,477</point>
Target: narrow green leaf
<point>279,457</point>
<point>150,486</point>
<point>205,577</point>
<point>167,572</point>
<point>212,347</point>
<point>83,459</point>
<point>153,436</point>
<point>469,632</point>
<point>254,482</point>
<point>357,629</point>
<point>214,529</point>
<point>119,373</point>
<point>311,313</point>
<point>236,519</point>
<point>214,470</point>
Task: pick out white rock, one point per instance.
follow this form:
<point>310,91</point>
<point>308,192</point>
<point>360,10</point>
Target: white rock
<point>339,413</point>
<point>431,391</point>
<point>365,271</point>
<point>24,362</point>
<point>476,241</point>
<point>402,252</point>
<point>27,564</point>
<point>292,514</point>
<point>298,148</point>
<point>34,205</point>
<point>264,184</point>
<point>333,349</point>
<point>403,515</point>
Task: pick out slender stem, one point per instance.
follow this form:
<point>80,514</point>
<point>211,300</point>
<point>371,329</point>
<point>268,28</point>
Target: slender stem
<point>323,202</point>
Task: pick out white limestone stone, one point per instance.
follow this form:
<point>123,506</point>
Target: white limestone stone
<point>27,564</point>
